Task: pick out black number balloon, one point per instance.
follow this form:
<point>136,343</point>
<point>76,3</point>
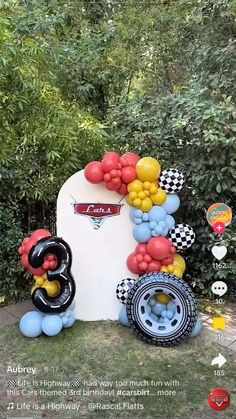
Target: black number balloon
<point>59,248</point>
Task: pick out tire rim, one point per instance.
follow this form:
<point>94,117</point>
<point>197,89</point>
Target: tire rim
<point>145,320</point>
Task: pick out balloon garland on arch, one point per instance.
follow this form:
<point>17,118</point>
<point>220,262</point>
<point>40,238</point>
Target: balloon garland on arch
<point>159,307</point>
<point>152,194</point>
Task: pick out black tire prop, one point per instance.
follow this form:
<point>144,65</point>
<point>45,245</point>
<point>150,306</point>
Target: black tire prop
<point>175,330</point>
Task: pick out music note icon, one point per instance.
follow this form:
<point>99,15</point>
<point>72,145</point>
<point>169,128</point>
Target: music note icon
<point>10,406</point>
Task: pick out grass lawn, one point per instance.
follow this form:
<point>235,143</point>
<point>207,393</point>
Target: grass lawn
<point>95,352</point>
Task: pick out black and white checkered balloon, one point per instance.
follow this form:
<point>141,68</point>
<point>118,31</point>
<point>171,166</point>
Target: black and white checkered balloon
<point>182,236</point>
<point>123,288</point>
<point>171,180</point>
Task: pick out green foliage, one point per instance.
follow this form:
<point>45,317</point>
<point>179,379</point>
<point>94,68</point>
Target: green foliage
<point>160,77</point>
<point>44,138</point>
<point>190,130</point>
<point>13,284</point>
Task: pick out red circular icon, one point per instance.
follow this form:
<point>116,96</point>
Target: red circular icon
<point>219,227</point>
<point>219,399</point>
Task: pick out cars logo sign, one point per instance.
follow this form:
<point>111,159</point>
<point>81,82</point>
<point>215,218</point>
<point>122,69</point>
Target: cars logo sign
<point>97,212</point>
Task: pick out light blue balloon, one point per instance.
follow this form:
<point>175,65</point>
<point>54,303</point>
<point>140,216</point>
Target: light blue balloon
<point>163,320</point>
<point>138,220</point>
<point>171,306</point>
<point>65,320</point>
<point>154,317</point>
<point>145,216</point>
<point>68,312</point>
<point>72,306</point>
<point>135,213</point>
<point>152,301</point>
<point>171,204</point>
<point>165,231</point>
<point>157,213</point>
<point>170,221</point>
<point>157,309</point>
<point>148,309</point>
<point>162,224</point>
<point>142,233</point>
<point>70,321</point>
<point>31,324</point>
<point>163,313</point>
<point>131,214</point>
<point>153,224</point>
<point>197,329</point>
<point>170,314</point>
<point>158,230</point>
<point>123,318</point>
<point>52,324</point>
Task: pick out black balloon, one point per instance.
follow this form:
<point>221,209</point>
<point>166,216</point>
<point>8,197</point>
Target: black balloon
<point>59,248</point>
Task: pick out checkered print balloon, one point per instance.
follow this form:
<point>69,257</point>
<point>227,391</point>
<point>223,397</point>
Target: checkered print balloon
<point>123,288</point>
<point>182,236</point>
<point>171,180</point>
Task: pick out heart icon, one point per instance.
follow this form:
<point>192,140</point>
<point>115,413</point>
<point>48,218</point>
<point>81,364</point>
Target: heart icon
<point>219,252</point>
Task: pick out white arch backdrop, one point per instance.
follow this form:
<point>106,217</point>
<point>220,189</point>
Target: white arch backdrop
<point>99,253</point>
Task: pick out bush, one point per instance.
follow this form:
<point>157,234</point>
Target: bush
<point>13,285</point>
<point>194,131</point>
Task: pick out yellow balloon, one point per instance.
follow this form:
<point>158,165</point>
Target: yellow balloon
<point>39,280</point>
<point>52,288</point>
<point>137,202</point>
<point>129,200</point>
<point>146,204</point>
<point>159,197</point>
<point>170,268</point>
<point>164,269</point>
<point>178,272</point>
<point>148,169</point>
<point>162,298</point>
<point>135,186</point>
<point>179,261</point>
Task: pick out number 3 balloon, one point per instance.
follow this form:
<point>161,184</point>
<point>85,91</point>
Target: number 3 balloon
<point>60,249</point>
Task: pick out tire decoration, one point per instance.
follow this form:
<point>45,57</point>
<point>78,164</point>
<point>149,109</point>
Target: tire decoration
<point>158,329</point>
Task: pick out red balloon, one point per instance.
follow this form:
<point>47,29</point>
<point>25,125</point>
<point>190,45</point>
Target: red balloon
<point>116,182</point>
<point>122,190</point>
<point>110,161</point>
<point>93,172</point>
<point>110,186</point>
<point>36,271</point>
<point>132,264</point>
<point>40,234</point>
<point>154,266</point>
<point>168,261</point>
<point>24,260</point>
<point>128,174</point>
<point>143,266</point>
<point>159,248</point>
<point>129,159</point>
<point>141,248</point>
<point>46,265</point>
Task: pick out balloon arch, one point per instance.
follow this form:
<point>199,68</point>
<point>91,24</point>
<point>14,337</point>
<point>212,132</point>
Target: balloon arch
<point>158,305</point>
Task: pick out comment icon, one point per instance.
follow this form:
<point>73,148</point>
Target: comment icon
<point>219,288</point>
